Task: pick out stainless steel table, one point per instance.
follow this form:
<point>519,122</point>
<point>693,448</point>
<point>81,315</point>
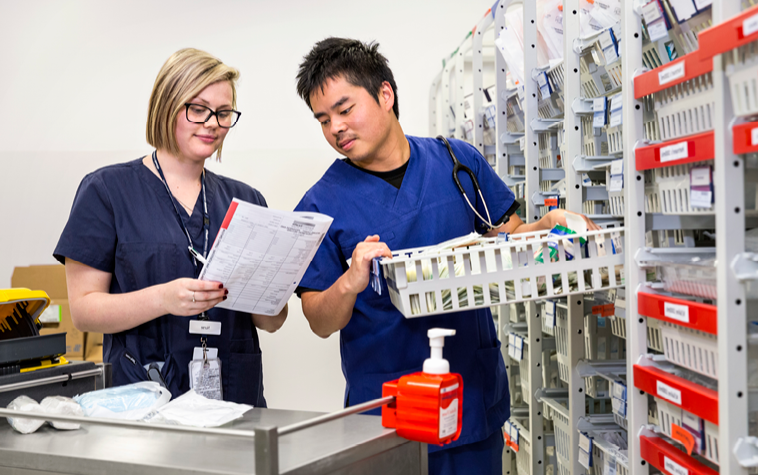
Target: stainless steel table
<point>356,444</point>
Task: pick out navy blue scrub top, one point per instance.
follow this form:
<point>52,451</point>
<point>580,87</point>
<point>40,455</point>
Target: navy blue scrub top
<point>379,344</point>
<point>123,222</point>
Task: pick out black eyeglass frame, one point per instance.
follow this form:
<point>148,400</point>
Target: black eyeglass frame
<point>211,113</point>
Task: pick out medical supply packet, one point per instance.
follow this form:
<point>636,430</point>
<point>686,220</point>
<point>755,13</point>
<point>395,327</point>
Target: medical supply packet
<point>192,409</point>
<point>131,402</point>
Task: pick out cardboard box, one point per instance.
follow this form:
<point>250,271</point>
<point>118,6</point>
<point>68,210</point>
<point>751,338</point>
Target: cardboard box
<point>52,279</point>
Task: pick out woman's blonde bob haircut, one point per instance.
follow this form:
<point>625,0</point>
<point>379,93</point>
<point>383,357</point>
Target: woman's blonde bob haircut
<point>182,77</point>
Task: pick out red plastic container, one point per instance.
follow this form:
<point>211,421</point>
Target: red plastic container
<point>428,407</point>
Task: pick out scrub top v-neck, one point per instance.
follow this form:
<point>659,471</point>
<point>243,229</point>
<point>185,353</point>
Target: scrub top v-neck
<point>379,344</point>
<point>123,222</point>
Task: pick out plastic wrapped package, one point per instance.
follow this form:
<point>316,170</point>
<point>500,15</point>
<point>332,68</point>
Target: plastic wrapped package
<point>131,402</point>
<point>598,15</point>
<point>510,43</point>
<point>63,406</point>
<point>25,404</point>
<point>192,409</point>
<point>691,276</point>
<point>550,27</point>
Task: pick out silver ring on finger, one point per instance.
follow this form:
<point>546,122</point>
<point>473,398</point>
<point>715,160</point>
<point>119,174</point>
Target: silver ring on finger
<point>193,296</point>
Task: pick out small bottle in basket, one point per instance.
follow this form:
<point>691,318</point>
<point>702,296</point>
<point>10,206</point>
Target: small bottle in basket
<point>428,405</point>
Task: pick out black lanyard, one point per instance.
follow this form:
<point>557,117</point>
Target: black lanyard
<point>206,219</point>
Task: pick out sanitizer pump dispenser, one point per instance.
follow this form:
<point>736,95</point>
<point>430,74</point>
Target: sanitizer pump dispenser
<point>428,405</point>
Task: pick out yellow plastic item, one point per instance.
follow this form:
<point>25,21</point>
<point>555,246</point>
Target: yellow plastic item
<point>20,310</point>
<point>44,364</point>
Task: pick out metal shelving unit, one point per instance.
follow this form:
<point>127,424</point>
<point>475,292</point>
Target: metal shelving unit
<point>688,106</point>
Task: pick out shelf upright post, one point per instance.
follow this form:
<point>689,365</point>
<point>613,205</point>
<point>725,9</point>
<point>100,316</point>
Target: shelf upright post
<point>729,183</point>
<point>476,68</point>
<point>634,231</point>
<point>459,92</point>
<point>447,96</point>
<point>531,151</point>
<point>531,154</point>
<point>573,138</point>
<point>501,86</point>
<point>435,124</point>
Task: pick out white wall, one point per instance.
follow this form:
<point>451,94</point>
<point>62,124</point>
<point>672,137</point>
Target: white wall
<point>75,77</point>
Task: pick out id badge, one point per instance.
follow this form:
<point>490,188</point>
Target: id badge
<point>205,377</point>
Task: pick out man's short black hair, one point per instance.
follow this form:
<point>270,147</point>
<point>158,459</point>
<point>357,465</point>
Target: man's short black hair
<point>359,63</point>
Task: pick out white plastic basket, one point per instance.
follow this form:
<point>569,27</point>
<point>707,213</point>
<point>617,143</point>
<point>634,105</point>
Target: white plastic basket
<point>699,281</point>
<point>561,343</point>
<point>594,139</point>
<point>615,139</point>
<point>670,414</point>
<point>515,114</point>
<point>652,197</point>
<point>673,184</point>
<point>650,120</point>
<point>615,198</point>
<point>497,273</point>
<point>548,330</point>
<point>686,108</point>
<point>742,70</point>
<point>562,428</point>
<point>604,453</point>
<point>524,454</point>
<point>550,372</point>
<point>692,349</point>
<point>618,326</point>
<point>654,337</point>
<point>548,150</point>
<point>597,346</point>
<point>523,371</point>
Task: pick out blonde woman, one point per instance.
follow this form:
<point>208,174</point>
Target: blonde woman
<point>126,246</point>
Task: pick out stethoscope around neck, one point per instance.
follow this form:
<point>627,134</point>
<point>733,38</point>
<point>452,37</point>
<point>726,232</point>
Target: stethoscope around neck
<point>459,167</point>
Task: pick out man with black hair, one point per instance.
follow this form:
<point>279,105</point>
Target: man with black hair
<point>397,191</point>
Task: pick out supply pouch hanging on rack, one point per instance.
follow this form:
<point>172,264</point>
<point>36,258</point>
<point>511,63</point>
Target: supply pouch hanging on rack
<point>609,46</point>
<point>701,187</point>
<point>616,111</point>
<point>599,106</point>
<point>544,85</point>
<point>617,175</point>
<point>655,21</point>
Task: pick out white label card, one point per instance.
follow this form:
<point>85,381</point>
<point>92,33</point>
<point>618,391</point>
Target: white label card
<point>684,9</point>
<point>657,30</point>
<point>605,39</point>
<point>754,136</point>
<point>690,421</point>
<point>675,152</point>
<point>598,105</point>
<point>750,25</point>
<point>701,199</point>
<point>672,73</point>
<point>703,4</point>
<point>197,353</point>
<point>585,443</point>
<point>651,12</point>
<point>617,167</point>
<point>674,468</point>
<point>542,79</point>
<point>668,393</point>
<point>700,176</point>
<point>610,54</point>
<point>616,118</point>
<point>204,327</point>
<point>680,313</point>
<point>584,459</point>
<point>617,183</point>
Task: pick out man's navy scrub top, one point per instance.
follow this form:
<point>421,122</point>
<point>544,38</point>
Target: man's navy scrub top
<point>379,344</point>
<point>123,222</point>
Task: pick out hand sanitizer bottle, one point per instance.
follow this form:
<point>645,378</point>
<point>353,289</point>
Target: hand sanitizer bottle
<point>428,405</point>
